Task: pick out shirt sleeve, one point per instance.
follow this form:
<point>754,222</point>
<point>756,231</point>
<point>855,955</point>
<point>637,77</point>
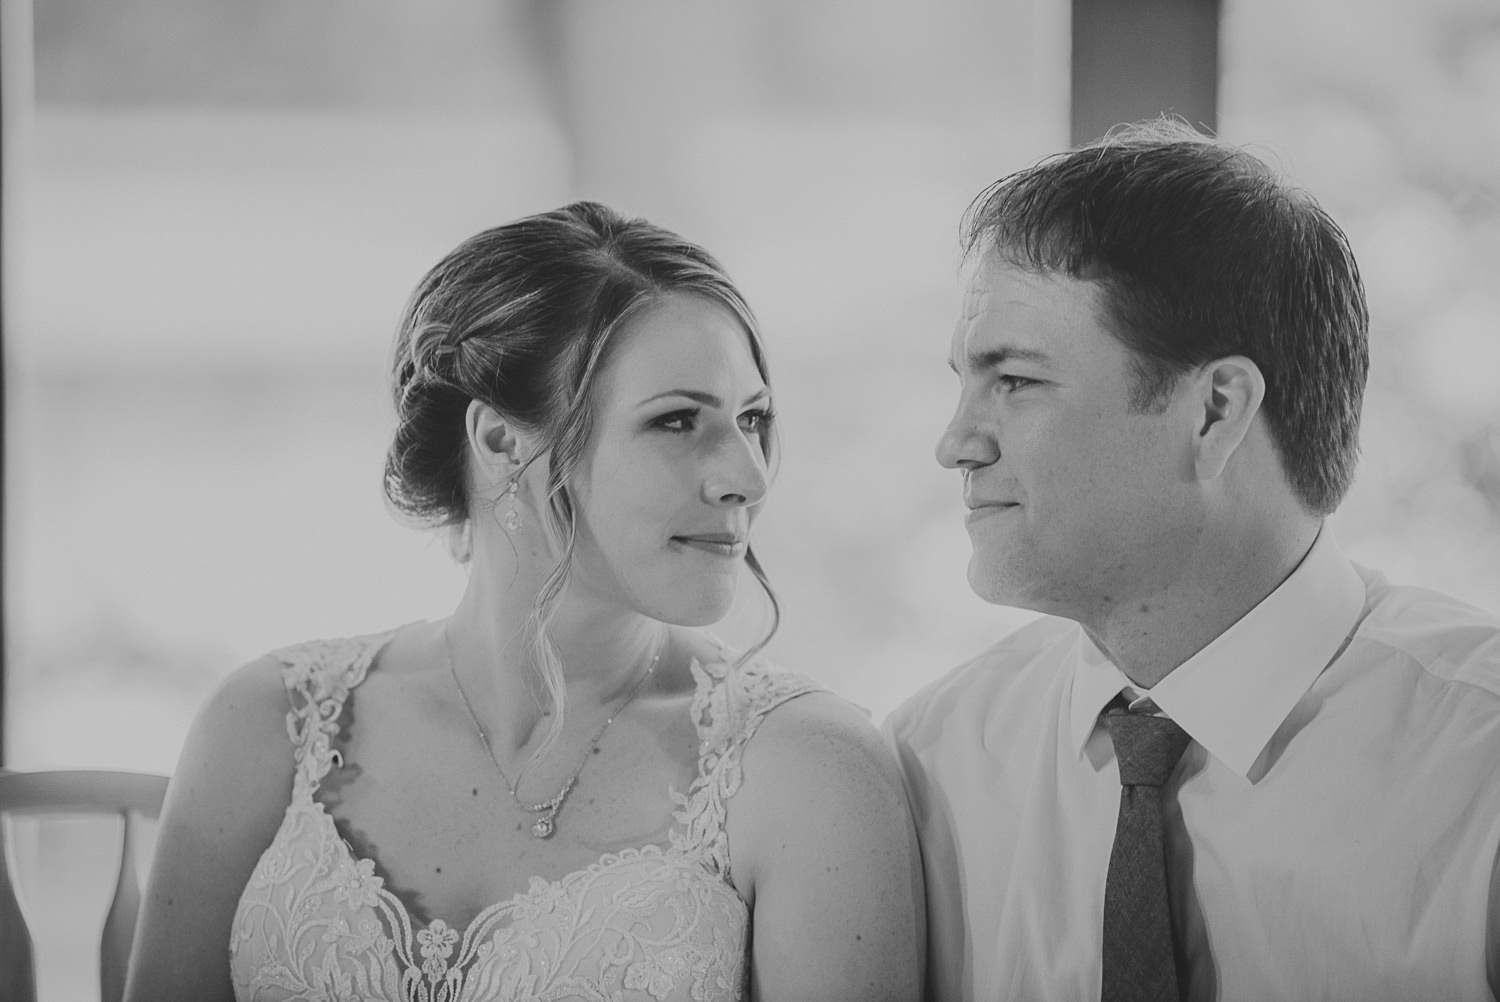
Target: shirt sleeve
<point>947,936</point>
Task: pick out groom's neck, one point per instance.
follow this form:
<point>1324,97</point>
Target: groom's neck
<point>1150,632</point>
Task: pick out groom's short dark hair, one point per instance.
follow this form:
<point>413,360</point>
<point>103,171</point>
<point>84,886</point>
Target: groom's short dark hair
<point>1202,251</point>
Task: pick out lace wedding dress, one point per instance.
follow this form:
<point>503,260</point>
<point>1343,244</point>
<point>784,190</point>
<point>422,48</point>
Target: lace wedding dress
<point>652,922</point>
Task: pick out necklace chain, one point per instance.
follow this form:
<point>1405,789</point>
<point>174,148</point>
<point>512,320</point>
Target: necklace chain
<point>546,824</point>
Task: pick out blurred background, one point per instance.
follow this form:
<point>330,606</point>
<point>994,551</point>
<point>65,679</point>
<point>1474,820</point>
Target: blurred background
<point>214,212</point>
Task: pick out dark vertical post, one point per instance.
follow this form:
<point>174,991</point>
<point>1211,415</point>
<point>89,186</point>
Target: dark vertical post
<point>15,111</point>
<point>17,972</point>
<point>6,30</point>
<point>1135,59</point>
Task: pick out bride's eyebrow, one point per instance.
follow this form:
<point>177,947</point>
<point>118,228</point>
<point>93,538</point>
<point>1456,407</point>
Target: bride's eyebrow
<point>699,396</point>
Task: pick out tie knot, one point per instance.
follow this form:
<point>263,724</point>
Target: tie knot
<point>1147,747</point>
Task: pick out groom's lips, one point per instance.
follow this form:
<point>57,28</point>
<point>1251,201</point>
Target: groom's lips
<point>971,502</point>
<point>980,509</point>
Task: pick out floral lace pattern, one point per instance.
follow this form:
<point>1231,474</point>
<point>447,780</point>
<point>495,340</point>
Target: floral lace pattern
<point>651,922</point>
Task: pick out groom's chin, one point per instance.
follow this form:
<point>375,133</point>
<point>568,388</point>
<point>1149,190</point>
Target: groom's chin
<point>1010,586</point>
<point>992,584</point>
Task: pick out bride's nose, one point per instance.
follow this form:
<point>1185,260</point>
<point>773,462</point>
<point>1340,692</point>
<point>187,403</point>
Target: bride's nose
<point>737,473</point>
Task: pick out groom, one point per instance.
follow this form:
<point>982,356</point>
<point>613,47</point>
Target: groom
<point>1227,763</point>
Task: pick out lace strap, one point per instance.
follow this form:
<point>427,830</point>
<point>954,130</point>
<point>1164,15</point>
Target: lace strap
<point>728,707</point>
<point>318,676</point>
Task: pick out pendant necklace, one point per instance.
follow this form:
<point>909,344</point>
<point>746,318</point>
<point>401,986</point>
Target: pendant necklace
<point>546,824</point>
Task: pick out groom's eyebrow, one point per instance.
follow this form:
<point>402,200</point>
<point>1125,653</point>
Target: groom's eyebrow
<point>978,361</point>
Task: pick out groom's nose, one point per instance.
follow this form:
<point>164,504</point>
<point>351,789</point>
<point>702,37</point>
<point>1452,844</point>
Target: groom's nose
<point>968,442</point>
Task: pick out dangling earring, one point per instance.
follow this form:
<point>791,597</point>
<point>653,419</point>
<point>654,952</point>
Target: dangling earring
<point>512,518</point>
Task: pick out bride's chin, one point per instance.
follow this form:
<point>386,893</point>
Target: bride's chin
<point>693,611</point>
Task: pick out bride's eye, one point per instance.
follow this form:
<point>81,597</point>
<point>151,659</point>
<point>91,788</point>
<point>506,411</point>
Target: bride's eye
<point>679,421</point>
<point>757,420</point>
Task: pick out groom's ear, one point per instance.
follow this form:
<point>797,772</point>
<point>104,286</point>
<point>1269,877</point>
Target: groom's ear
<point>1225,396</point>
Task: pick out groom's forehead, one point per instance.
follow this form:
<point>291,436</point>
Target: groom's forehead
<point>994,305</point>
<point>976,301</point>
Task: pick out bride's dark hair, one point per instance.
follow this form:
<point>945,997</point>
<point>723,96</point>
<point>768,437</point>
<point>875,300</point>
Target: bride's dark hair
<point>522,317</point>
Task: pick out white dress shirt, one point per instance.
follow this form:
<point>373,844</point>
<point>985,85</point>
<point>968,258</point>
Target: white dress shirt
<point>1332,829</point>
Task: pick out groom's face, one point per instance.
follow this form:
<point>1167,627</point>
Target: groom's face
<point>1077,501</point>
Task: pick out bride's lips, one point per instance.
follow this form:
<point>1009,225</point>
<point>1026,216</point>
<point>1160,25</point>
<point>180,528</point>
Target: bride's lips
<point>719,544</point>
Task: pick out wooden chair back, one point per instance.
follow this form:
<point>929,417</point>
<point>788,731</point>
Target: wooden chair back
<point>131,795</point>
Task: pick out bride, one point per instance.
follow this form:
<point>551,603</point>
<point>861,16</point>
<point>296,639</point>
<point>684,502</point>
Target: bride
<point>566,789</point>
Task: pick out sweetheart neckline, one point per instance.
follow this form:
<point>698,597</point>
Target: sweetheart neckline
<point>538,888</point>
<point>365,662</point>
<point>334,897</point>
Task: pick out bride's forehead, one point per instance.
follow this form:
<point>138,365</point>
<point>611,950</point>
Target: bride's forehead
<point>706,339</point>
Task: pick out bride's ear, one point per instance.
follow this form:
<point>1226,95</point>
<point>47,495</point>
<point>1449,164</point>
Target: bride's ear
<point>494,447</point>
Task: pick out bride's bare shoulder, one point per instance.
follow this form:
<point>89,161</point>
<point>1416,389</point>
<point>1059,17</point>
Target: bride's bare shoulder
<point>226,799</point>
<point>238,754</point>
<point>817,726</point>
<point>818,758</point>
<point>825,853</point>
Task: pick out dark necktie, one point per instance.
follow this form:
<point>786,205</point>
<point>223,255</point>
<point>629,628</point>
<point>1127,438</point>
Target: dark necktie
<point>1138,964</point>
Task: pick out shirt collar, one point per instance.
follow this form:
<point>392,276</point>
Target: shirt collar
<point>1232,695</point>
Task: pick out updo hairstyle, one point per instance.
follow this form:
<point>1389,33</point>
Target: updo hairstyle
<point>522,317</point>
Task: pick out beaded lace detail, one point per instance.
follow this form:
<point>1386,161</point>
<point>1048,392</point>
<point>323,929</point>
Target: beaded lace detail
<point>651,922</point>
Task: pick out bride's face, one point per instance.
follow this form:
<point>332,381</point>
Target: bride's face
<point>671,480</point>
